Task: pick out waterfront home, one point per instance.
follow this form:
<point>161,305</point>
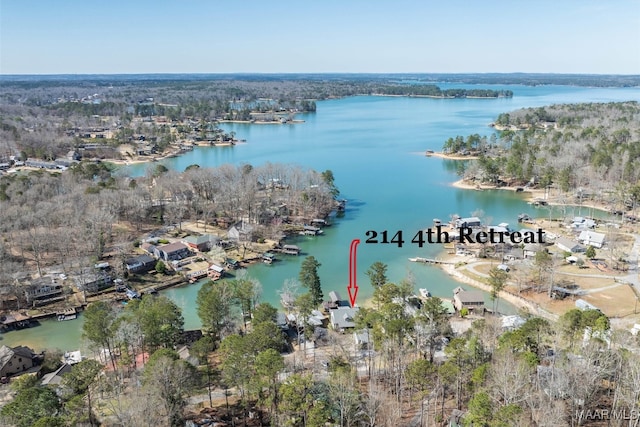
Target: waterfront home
<point>471,300</point>
<point>315,319</point>
<point>15,360</point>
<point>93,282</point>
<point>581,223</point>
<point>470,222</point>
<point>202,243</point>
<point>591,238</point>
<point>43,291</point>
<point>140,264</point>
<point>569,245</point>
<point>342,318</point>
<point>55,378</point>
<point>173,251</point>
<point>240,232</point>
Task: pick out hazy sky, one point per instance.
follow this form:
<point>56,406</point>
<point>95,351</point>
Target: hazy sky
<point>282,36</point>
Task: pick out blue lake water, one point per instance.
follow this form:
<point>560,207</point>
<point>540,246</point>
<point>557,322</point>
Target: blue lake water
<point>375,147</point>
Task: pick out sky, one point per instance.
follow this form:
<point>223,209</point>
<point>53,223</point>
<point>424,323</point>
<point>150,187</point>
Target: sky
<point>322,36</point>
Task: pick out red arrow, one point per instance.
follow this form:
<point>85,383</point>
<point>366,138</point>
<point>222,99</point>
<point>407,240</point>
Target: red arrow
<point>353,286</point>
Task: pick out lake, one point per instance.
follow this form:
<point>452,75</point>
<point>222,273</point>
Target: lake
<point>375,147</point>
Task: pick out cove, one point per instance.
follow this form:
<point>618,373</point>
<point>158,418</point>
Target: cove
<point>375,147</point>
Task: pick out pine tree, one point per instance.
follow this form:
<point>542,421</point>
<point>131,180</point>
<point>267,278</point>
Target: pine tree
<point>309,278</point>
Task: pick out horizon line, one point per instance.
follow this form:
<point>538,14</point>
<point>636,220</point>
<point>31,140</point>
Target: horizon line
<point>324,73</point>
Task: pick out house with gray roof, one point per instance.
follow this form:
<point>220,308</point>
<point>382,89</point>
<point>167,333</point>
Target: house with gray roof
<point>55,378</point>
<point>591,238</point>
<point>240,232</point>
<point>202,243</point>
<point>15,360</point>
<point>140,264</point>
<point>93,282</point>
<point>362,340</point>
<point>342,318</point>
<point>43,291</point>
<point>173,251</point>
<point>569,245</point>
<point>471,300</point>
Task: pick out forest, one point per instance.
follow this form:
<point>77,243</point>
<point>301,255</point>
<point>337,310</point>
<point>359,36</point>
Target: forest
<point>67,221</point>
<point>414,371</point>
<point>435,91</point>
<point>44,116</point>
<point>419,366</point>
<point>593,149</point>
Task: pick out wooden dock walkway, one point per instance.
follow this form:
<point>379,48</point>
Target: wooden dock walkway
<point>430,260</point>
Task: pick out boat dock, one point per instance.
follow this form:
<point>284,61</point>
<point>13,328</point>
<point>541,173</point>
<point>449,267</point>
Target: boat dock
<point>68,314</point>
<point>430,260</point>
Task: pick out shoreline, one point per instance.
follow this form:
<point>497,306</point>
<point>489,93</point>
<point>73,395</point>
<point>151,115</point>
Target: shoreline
<point>449,156</point>
<point>263,122</point>
<point>531,195</point>
<point>515,300</point>
<point>171,154</point>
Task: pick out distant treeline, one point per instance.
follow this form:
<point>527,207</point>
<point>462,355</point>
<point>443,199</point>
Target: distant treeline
<point>592,146</point>
<point>433,90</point>
<point>527,79</point>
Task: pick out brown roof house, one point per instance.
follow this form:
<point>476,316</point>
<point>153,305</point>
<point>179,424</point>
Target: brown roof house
<point>15,360</point>
<point>471,300</point>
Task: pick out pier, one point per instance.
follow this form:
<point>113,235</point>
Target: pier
<point>430,260</point>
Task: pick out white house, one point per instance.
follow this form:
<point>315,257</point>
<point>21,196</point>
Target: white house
<point>569,245</point>
<point>591,238</point>
<point>581,223</point>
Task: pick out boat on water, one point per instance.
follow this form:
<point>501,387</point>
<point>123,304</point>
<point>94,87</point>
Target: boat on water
<point>268,257</point>
<point>424,293</point>
<point>69,314</point>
